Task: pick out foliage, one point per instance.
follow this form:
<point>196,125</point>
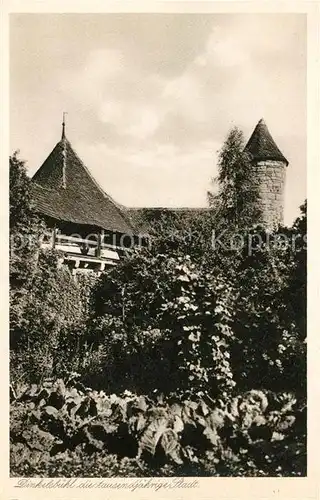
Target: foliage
<point>46,320</point>
<point>59,422</point>
<point>48,308</point>
<point>25,226</point>
<point>21,208</point>
<point>174,310</point>
<point>297,263</point>
<point>205,320</point>
<point>269,339</point>
<point>213,339</point>
<point>237,200</point>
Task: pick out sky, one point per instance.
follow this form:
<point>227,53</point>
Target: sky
<point>151,97</point>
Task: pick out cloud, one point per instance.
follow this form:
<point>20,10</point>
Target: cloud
<point>101,69</point>
<point>160,175</point>
<point>222,50</point>
<point>144,123</point>
<point>225,82</point>
<point>152,97</point>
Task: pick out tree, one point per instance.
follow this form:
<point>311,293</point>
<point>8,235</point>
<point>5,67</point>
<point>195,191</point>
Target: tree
<point>21,210</point>
<point>270,310</point>
<point>25,226</point>
<point>48,308</point>
<point>237,200</point>
<point>297,289</point>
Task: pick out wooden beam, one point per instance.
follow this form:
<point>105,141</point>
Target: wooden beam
<point>54,237</point>
<point>72,239</point>
<point>100,242</point>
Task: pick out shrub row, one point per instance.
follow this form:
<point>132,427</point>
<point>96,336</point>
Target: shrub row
<point>56,427</point>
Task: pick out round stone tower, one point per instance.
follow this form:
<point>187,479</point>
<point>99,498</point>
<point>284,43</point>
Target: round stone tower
<point>270,169</point>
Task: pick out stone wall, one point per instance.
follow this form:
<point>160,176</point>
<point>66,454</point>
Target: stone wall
<point>270,177</point>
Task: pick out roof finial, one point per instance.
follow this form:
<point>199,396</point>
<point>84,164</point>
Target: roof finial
<point>64,125</point>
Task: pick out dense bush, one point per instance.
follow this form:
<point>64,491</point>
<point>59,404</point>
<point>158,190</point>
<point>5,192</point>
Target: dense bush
<point>196,354</point>
<point>173,312</point>
<point>204,320</point>
<point>56,427</point>
<point>48,307</point>
<point>48,315</point>
<point>269,333</point>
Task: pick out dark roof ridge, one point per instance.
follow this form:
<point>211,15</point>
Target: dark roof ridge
<point>40,186</point>
<point>167,208</point>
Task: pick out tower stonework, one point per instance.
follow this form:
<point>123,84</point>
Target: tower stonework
<point>270,171</point>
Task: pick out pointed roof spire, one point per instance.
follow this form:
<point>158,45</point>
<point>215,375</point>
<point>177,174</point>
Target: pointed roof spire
<point>63,135</point>
<point>81,200</point>
<point>262,146</point>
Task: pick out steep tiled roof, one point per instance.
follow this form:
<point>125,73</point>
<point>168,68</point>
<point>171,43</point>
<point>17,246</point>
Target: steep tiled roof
<point>262,146</point>
<point>64,189</point>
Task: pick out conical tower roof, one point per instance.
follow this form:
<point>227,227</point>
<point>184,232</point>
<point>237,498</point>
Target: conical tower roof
<point>64,189</point>
<point>261,145</point>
